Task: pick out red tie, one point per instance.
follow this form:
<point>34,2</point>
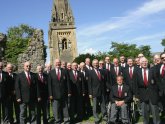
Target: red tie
<point>145,78</point>
<point>28,78</point>
<point>163,70</point>
<point>130,72</point>
<point>119,91</point>
<point>108,68</point>
<point>58,75</point>
<point>75,75</point>
<point>116,70</point>
<point>98,74</point>
<point>41,78</point>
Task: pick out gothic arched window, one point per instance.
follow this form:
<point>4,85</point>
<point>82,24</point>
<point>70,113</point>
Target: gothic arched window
<point>64,44</point>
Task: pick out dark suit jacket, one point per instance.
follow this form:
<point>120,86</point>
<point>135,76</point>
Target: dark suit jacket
<point>12,80</point>
<point>132,83</point>
<point>58,89</point>
<point>4,86</point>
<point>126,94</point>
<point>150,92</point>
<point>97,87</point>
<point>27,93</point>
<point>113,74</point>
<point>77,86</point>
<point>159,78</point>
<point>85,81</point>
<point>42,87</point>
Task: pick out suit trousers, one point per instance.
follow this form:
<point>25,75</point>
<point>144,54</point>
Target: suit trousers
<point>146,108</point>
<point>41,106</point>
<point>14,103</point>
<point>4,104</point>
<point>23,113</point>
<point>60,108</point>
<point>99,102</point>
<point>123,113</point>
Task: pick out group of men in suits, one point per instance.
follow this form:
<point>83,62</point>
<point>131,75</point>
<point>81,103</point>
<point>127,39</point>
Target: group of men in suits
<point>79,91</point>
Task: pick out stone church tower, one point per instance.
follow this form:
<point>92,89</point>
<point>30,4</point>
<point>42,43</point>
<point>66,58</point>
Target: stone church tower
<point>62,32</point>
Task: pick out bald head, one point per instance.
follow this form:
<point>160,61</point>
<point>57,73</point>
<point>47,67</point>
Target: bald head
<point>144,62</point>
<point>69,66</point>
<point>82,66</point>
<point>74,66</point>
<point>95,63</point>
<point>115,61</point>
<point>40,69</point>
<point>9,68</point>
<point>27,66</point>
<point>57,63</point>
<point>156,59</point>
<point>87,61</point>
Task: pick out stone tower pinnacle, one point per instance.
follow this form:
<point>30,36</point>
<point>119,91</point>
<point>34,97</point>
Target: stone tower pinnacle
<point>62,32</point>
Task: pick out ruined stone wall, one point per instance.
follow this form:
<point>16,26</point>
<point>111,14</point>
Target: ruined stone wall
<point>34,53</point>
<point>3,40</point>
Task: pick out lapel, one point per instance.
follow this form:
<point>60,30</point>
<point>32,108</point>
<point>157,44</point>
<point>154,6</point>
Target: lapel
<point>24,76</point>
<point>54,73</point>
<point>96,74</point>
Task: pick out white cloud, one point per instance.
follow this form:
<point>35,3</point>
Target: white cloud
<point>147,9</point>
<point>90,50</point>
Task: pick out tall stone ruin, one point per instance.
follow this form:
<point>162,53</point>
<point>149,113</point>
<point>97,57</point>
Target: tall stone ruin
<point>34,53</point>
<point>3,40</point>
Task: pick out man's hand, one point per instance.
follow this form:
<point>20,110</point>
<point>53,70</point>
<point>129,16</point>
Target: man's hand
<point>39,99</point>
<point>90,96</point>
<point>51,97</point>
<point>18,100</point>
<point>69,95</point>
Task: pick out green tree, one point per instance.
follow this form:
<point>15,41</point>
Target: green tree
<point>82,57</point>
<point>163,42</point>
<point>18,38</point>
<point>128,50</point>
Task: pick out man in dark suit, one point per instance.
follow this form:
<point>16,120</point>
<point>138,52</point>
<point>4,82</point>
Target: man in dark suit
<point>42,93</point>
<point>120,97</point>
<point>59,90</point>
<point>26,93</point>
<point>88,64</point>
<point>12,101</point>
<point>97,89</point>
<point>130,76</point>
<point>108,65</point>
<point>78,91</point>
<point>86,101</point>
<point>123,61</point>
<point>160,77</point>
<point>148,93</point>
<point>47,70</point>
<point>115,71</point>
<point>4,94</point>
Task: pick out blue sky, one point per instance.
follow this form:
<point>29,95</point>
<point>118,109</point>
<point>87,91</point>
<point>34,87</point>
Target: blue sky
<point>98,22</point>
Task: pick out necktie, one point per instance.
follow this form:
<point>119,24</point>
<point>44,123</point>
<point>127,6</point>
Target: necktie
<point>145,78</point>
<point>119,91</point>
<point>41,78</point>
<point>75,75</point>
<point>98,74</point>
<point>130,72</point>
<point>108,68</point>
<point>58,75</point>
<point>0,77</point>
<point>28,78</point>
<point>163,70</point>
<point>116,71</point>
